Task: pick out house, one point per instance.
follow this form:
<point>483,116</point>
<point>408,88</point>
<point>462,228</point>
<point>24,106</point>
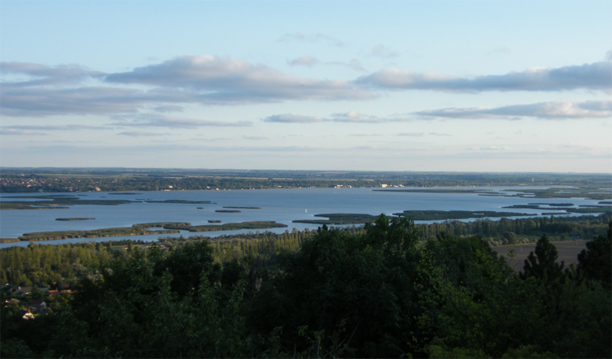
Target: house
<point>26,314</point>
<point>25,290</point>
<point>21,290</point>
<point>13,301</point>
<point>37,305</point>
<point>53,293</point>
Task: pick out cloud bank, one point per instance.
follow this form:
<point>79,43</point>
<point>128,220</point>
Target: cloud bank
<point>543,110</point>
<point>293,118</point>
<point>147,120</point>
<point>595,76</point>
<point>350,116</point>
<point>35,90</point>
<point>205,80</point>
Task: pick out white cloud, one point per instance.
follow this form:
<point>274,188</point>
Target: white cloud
<point>355,117</point>
<point>303,61</point>
<point>543,110</point>
<point>182,80</point>
<point>491,148</point>
<point>292,118</point>
<point>41,130</point>
<point>40,75</point>
<point>211,79</point>
<point>55,128</point>
<point>149,120</point>
<point>168,108</point>
<point>20,132</point>
<point>595,76</point>
<point>350,116</point>
<point>381,51</point>
<point>43,101</point>
<point>355,65</point>
<point>140,134</point>
<point>411,134</point>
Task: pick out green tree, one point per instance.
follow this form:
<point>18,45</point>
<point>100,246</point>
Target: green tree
<point>344,294</point>
<point>596,261</point>
<point>186,264</point>
<point>542,265</point>
<point>469,301</point>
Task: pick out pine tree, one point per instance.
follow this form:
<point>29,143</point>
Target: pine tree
<point>543,264</point>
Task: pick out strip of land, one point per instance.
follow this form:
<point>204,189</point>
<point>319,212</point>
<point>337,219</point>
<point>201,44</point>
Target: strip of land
<point>236,207</point>
<point>443,215</point>
<point>339,218</point>
<point>582,208</point>
<point>33,180</point>
<point>63,201</point>
<point>142,229</point>
<point>179,201</point>
<point>74,219</point>
<point>9,240</point>
<point>236,226</point>
<point>353,218</point>
<point>589,192</point>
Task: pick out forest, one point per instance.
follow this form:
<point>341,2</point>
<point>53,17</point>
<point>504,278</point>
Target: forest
<point>383,290</point>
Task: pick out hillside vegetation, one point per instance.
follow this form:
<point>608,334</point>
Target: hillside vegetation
<point>379,291</point>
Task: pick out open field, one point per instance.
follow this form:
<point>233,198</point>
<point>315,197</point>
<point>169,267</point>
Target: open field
<point>568,252</point>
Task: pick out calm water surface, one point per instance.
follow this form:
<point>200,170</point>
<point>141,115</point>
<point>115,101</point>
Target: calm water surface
<point>282,205</point>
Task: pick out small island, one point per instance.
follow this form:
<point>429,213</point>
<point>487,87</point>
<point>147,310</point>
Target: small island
<point>236,207</point>
<point>236,226</point>
<point>75,219</point>
<point>9,240</point>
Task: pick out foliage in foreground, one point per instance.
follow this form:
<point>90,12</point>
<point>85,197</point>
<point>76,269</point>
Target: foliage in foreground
<point>374,293</point>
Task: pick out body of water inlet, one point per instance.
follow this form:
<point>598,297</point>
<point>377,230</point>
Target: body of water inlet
<point>280,205</point>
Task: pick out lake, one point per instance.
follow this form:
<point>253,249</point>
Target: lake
<point>281,205</point>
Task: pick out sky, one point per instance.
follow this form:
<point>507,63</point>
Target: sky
<point>458,86</point>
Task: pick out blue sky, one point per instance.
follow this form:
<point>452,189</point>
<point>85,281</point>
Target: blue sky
<point>315,85</point>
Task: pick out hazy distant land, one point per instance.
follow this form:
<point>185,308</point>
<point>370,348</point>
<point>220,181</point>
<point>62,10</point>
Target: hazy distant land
<point>120,180</point>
